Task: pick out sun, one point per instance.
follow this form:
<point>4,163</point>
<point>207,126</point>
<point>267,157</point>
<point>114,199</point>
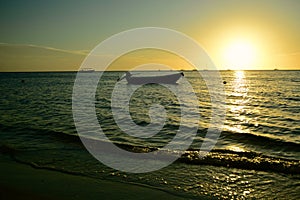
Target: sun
<point>239,54</point>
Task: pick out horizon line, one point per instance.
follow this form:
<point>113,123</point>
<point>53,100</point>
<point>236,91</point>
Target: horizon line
<point>189,70</point>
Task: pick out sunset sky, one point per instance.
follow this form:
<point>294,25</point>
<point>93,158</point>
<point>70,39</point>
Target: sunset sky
<point>57,35</point>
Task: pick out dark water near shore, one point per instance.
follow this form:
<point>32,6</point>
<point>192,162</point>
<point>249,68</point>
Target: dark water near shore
<point>257,154</point>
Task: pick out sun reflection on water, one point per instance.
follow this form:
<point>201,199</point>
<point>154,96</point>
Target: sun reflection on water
<point>236,148</point>
<point>238,99</point>
<point>240,86</point>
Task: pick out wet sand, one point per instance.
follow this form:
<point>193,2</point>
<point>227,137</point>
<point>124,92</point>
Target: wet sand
<point>19,181</point>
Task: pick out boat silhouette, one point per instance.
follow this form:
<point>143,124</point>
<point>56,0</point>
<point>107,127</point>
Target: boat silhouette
<point>164,79</point>
<point>87,70</point>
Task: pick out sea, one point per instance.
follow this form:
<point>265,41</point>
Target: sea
<point>256,156</point>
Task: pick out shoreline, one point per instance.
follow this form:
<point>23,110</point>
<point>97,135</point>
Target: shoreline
<point>20,181</point>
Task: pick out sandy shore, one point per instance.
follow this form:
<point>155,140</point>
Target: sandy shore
<point>19,181</point>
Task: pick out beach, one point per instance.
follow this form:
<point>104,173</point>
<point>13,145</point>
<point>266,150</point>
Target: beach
<point>20,181</point>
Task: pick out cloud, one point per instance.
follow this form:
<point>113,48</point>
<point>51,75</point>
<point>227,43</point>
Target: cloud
<point>78,52</point>
<point>28,57</point>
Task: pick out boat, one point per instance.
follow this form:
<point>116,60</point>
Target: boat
<point>163,79</point>
<point>87,70</point>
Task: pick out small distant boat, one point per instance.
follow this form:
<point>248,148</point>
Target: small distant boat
<point>87,70</point>
<point>164,79</point>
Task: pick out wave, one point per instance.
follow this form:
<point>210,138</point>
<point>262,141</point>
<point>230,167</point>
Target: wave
<point>260,140</point>
<point>217,157</point>
<point>293,98</point>
<point>243,160</point>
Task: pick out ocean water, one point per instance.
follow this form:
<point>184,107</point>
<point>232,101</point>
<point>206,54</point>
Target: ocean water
<point>257,154</point>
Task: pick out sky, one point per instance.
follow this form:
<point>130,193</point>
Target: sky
<point>58,35</point>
